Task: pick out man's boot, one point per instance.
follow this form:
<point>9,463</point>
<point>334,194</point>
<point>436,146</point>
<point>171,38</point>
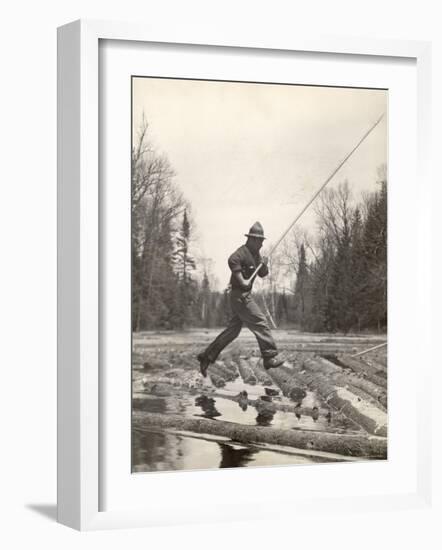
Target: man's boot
<point>204,363</point>
<point>272,362</point>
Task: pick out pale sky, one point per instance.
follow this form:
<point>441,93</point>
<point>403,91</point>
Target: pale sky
<point>246,152</point>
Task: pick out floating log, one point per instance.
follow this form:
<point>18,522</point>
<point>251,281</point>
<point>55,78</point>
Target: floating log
<point>155,364</point>
<point>346,377</point>
<point>189,382</point>
<point>161,390</point>
<point>231,366</point>
<point>221,371</point>
<point>246,372</point>
<point>380,360</point>
<point>344,444</point>
<point>380,368</point>
<point>259,371</point>
<point>342,375</point>
<point>216,380</point>
<point>366,414</point>
<point>380,401</point>
<point>327,348</point>
<point>322,366</point>
<point>289,383</point>
<point>374,393</point>
<point>155,403</point>
<point>359,366</point>
<point>232,354</point>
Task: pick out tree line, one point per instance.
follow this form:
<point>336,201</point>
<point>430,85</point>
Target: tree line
<point>168,291</point>
<point>335,281</point>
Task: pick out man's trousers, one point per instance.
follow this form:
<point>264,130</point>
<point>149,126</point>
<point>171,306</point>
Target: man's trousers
<point>245,313</point>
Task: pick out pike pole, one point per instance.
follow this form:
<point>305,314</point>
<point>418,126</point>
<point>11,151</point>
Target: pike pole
<point>369,349</point>
<point>340,165</point>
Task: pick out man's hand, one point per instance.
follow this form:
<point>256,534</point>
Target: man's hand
<point>264,269</point>
<point>244,285</point>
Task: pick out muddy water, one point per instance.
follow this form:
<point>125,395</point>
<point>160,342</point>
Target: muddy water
<point>154,451</point>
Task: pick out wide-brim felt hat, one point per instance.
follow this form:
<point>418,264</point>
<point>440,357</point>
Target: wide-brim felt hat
<point>256,230</point>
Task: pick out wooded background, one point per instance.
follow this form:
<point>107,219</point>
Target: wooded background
<point>328,280</point>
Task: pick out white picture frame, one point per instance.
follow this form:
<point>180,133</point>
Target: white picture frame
<point>79,294</point>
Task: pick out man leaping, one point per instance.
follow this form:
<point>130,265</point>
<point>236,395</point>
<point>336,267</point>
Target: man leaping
<point>242,264</point>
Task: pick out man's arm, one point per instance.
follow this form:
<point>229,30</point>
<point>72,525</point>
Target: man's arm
<point>235,267</point>
<point>244,285</point>
<point>264,270</point>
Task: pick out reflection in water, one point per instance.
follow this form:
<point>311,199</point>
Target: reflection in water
<point>266,410</point>
<point>165,451</point>
<point>238,410</point>
<point>265,418</point>
<point>315,413</point>
<point>151,448</point>
<point>208,406</point>
<point>243,400</point>
<point>162,451</point>
<point>232,457</point>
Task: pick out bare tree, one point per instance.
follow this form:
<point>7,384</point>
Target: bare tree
<point>156,204</point>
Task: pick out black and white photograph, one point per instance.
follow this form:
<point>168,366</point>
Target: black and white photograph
<point>221,282</point>
<point>258,274</point>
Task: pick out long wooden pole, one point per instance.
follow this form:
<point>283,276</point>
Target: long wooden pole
<point>369,349</point>
<point>340,165</point>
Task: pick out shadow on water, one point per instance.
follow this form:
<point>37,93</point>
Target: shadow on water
<point>234,411</point>
<point>207,404</point>
<point>265,418</point>
<point>232,457</point>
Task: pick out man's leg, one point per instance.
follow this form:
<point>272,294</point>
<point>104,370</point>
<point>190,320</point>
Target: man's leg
<point>221,341</point>
<point>252,317</point>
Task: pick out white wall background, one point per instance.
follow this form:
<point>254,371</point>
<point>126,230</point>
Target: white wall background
<point>28,274</point>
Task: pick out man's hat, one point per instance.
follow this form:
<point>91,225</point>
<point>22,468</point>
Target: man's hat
<point>256,230</point>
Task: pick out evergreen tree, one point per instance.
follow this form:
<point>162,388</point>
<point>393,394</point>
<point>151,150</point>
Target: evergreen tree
<point>184,266</point>
<point>339,310</point>
<point>223,309</point>
<point>205,312</point>
<point>282,309</point>
<point>358,269</point>
<point>301,289</point>
<point>158,285</point>
<point>318,320</point>
<point>375,250</point>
